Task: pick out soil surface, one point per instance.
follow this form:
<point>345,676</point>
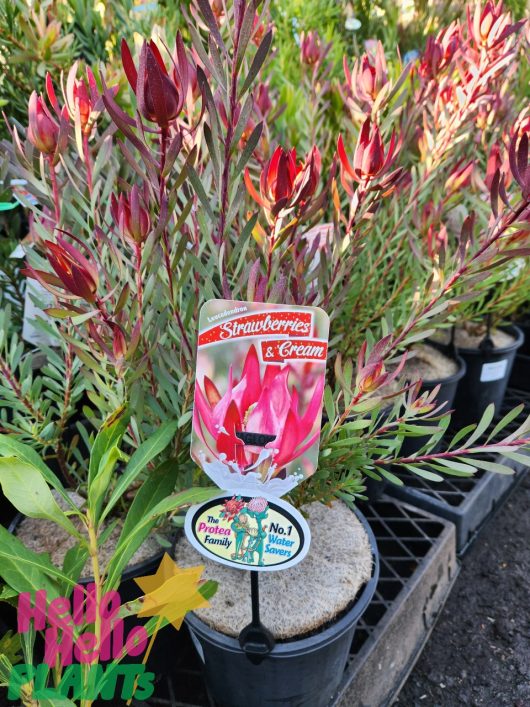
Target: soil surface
<point>479,651</point>
<point>338,564</point>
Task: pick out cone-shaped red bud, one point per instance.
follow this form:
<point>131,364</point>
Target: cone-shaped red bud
<point>440,50</point>
<point>119,342</point>
<point>312,49</point>
<point>131,217</point>
<point>369,160</point>
<point>262,100</point>
<point>43,130</point>
<point>160,100</point>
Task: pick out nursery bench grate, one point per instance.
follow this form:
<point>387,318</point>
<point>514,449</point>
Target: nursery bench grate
<point>467,502</point>
<point>418,567</point>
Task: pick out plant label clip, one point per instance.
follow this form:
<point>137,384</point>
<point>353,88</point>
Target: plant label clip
<point>255,639</point>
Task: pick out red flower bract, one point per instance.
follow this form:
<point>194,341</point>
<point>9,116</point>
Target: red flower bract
<point>286,183</point>
<point>440,50</point>
<point>160,97</point>
<point>131,217</point>
<point>312,49</point>
<point>74,273</point>
<point>368,76</point>
<point>43,129</point>
<point>370,164</point>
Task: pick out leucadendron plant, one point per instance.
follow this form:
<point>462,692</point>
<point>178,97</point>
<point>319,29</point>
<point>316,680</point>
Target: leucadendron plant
<point>76,617</point>
<point>144,214</point>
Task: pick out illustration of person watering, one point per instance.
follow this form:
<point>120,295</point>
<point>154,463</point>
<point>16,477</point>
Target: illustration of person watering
<point>250,532</point>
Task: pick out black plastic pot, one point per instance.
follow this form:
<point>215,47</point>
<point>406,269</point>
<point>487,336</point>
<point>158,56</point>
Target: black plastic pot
<point>374,489</point>
<point>520,378</point>
<point>524,325</point>
<point>446,394</point>
<point>486,379</point>
<point>303,672</point>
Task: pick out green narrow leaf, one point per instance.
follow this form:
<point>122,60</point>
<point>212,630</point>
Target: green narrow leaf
<point>158,486</point>
<point>424,473</point>
<point>509,417</point>
<point>523,459</point>
<point>464,466</point>
<point>495,467</point>
<point>483,424</point>
<point>390,476</point>
<point>257,62</point>
<point>145,453</point>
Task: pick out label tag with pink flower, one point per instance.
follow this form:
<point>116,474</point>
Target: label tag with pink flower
<point>260,533</point>
<point>258,394</point>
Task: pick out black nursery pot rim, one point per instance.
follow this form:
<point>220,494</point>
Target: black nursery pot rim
<point>130,572</point>
<point>512,329</point>
<point>300,646</point>
<point>454,378</point>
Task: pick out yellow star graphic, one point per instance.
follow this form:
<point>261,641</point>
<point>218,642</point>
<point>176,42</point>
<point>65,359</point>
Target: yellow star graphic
<point>171,592</point>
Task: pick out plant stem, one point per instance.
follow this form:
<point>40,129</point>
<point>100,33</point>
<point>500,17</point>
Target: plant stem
<point>93,549</point>
<point>55,188</point>
<point>147,654</point>
<point>166,249</point>
<point>88,161</point>
<point>15,386</point>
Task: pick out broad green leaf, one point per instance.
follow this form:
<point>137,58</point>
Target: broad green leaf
<point>99,485</point>
<point>10,447</point>
<point>25,487</point>
<point>209,588</point>
<point>145,453</point>
<point>329,405</point>
<point>73,563</point>
<point>10,647</point>
<point>137,534</point>
<point>108,436</point>
<point>27,571</point>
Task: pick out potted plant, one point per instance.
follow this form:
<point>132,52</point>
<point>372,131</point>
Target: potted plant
<point>174,230</point>
<point>75,614</point>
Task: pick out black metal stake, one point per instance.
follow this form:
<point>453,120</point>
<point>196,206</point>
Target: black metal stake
<point>255,639</point>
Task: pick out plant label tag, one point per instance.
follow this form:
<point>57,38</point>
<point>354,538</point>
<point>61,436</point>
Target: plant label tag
<point>261,533</point>
<point>258,394</point>
<point>493,371</point>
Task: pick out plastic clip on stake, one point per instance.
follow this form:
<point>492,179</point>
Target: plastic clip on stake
<point>255,639</point>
